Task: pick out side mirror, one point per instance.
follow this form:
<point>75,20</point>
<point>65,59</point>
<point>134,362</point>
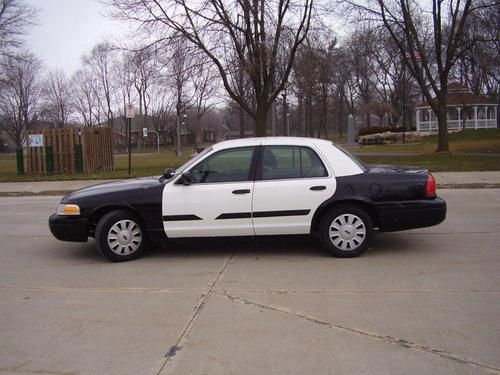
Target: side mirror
<point>186,179</point>
<point>168,173</point>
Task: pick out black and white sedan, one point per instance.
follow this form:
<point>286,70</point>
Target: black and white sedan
<point>254,187</point>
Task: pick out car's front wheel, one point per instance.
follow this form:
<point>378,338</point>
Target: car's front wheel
<point>120,236</point>
<point>346,231</point>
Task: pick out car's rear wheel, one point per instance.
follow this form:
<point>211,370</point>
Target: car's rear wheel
<point>120,236</point>
<point>346,231</point>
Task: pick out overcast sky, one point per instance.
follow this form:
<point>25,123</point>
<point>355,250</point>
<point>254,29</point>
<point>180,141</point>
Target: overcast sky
<point>68,29</point>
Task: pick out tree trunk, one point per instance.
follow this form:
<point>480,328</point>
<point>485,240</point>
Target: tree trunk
<point>310,117</point>
<point>306,117</point>
<point>441,115</point>
<point>341,114</point>
<point>242,121</point>
<point>261,122</point>
<point>300,116</point>
<point>325,113</point>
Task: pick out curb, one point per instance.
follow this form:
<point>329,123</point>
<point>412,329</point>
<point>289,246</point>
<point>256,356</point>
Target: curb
<point>469,186</point>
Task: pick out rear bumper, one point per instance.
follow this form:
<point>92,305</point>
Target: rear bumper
<point>403,215</point>
<point>68,228</point>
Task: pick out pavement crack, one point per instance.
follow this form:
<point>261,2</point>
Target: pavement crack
<point>196,312</point>
<point>389,339</point>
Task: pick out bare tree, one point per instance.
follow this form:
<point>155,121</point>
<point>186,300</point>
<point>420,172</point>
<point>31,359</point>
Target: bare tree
<point>19,95</point>
<point>359,47</point>
<point>162,107</point>
<point>100,62</point>
<point>430,38</point>
<point>303,82</point>
<point>84,96</point>
<point>256,31</point>
<point>180,65</point>
<point>313,81</point>
<point>15,17</point>
<point>479,66</point>
<point>56,98</point>
<point>125,79</point>
<point>343,87</point>
<point>243,86</point>
<point>205,81</point>
<point>145,69</point>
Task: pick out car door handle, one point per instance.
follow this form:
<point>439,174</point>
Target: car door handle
<point>317,188</point>
<point>242,191</point>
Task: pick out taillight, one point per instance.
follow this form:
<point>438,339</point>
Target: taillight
<point>430,187</point>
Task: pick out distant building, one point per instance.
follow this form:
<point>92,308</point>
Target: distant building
<point>465,111</point>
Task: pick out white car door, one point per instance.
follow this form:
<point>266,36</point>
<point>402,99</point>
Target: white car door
<point>291,183</point>
<point>217,202</point>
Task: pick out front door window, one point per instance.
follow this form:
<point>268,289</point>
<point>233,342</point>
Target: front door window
<point>224,166</point>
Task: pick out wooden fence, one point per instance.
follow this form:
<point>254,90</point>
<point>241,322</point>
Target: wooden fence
<point>96,146</point>
<point>97,150</point>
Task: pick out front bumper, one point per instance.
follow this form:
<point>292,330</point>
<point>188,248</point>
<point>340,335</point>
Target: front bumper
<point>403,215</point>
<point>68,228</point>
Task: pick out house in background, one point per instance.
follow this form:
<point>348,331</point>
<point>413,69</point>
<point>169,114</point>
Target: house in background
<point>465,111</point>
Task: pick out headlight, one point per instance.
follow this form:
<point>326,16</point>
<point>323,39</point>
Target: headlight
<point>68,209</point>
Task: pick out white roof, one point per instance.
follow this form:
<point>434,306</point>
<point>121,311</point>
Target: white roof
<point>300,141</point>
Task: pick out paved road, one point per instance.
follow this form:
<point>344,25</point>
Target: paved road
<point>422,301</point>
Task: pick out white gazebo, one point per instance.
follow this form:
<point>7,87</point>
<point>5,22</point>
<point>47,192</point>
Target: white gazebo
<point>465,111</point>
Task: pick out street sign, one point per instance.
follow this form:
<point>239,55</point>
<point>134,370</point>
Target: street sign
<point>129,112</point>
<point>144,132</point>
<point>35,140</point>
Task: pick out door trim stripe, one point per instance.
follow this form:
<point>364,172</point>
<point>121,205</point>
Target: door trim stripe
<point>281,213</point>
<point>234,215</point>
<point>248,215</point>
<point>181,217</point>
<point>240,215</point>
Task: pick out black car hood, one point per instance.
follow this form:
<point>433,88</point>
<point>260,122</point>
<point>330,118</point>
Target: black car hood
<point>115,187</point>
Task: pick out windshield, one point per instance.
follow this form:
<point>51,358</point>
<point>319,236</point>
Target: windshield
<point>355,159</point>
<point>193,160</point>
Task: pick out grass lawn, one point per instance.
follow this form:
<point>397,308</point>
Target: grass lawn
<point>464,147</point>
<point>440,162</point>
<point>469,141</point>
<point>145,164</point>
<point>472,142</point>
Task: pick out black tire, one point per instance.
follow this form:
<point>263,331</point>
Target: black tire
<point>120,236</point>
<point>346,231</point>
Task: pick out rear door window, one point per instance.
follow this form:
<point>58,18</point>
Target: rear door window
<point>286,162</point>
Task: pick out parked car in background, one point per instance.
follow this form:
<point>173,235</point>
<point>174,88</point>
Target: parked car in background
<point>254,187</point>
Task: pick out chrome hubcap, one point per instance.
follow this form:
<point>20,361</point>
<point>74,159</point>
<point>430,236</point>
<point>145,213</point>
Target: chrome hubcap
<point>124,237</point>
<point>347,232</point>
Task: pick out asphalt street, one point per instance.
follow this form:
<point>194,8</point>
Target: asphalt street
<point>425,301</point>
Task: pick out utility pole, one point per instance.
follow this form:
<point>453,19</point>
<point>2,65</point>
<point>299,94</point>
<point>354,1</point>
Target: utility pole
<point>178,150</point>
<point>129,114</point>
<point>285,112</point>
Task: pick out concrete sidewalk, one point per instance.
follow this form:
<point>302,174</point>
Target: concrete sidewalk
<point>445,180</point>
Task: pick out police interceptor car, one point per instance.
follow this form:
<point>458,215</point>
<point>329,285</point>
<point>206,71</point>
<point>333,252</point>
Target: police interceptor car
<point>254,187</point>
